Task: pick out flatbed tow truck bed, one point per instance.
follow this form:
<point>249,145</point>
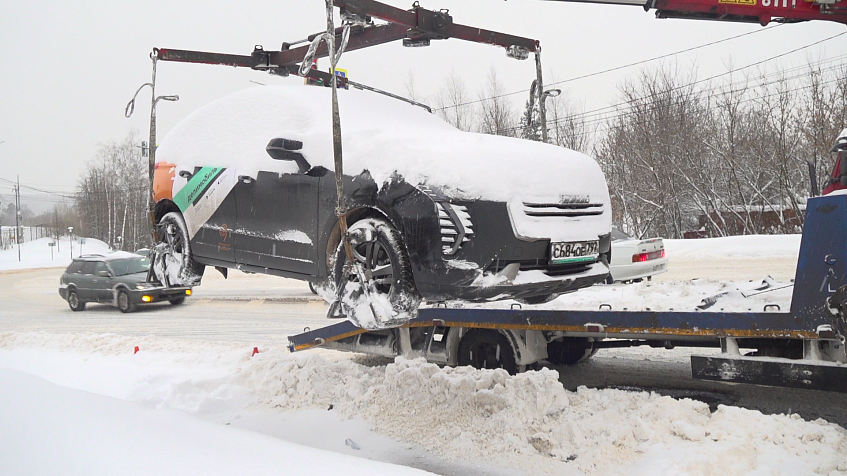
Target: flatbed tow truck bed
<point>801,348</point>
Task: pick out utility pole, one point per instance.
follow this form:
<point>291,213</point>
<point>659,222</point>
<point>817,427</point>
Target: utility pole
<point>18,216</point>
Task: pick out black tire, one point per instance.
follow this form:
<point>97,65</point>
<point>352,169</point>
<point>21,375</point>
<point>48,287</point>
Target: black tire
<point>124,302</point>
<point>74,302</point>
<point>177,301</point>
<point>570,351</point>
<point>175,265</point>
<point>312,288</point>
<point>487,349</point>
<point>379,248</point>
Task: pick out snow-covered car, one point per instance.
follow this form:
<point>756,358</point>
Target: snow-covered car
<point>634,259</point>
<point>118,278</point>
<point>247,182</point>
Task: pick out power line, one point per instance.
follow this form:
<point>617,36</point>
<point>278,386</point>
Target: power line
<point>616,68</point>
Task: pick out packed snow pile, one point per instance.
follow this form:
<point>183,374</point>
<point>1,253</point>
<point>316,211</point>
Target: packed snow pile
<point>734,247</point>
<point>528,422</point>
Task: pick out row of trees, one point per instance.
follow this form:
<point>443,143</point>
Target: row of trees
<point>726,157</point>
<point>112,196</point>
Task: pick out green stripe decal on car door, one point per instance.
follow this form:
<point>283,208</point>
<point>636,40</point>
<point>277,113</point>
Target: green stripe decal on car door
<point>196,187</point>
<point>203,194</point>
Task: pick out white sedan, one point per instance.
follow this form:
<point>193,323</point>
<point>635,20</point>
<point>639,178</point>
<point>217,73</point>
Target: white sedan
<point>634,259</point>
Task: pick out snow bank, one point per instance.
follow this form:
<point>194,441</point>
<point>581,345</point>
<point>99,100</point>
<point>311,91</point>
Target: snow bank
<point>733,247</point>
<point>528,422</point>
<point>48,429</point>
<point>37,253</point>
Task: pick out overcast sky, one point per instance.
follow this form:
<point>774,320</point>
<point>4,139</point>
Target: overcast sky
<point>69,68</point>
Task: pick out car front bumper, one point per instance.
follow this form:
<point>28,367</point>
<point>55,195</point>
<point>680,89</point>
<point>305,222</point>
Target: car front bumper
<point>530,284</point>
<point>157,294</point>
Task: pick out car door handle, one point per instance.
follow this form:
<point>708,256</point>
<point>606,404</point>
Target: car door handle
<point>185,174</point>
<point>246,178</point>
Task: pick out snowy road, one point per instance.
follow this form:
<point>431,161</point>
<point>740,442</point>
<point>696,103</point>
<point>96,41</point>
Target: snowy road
<point>256,310</point>
<point>195,358</point>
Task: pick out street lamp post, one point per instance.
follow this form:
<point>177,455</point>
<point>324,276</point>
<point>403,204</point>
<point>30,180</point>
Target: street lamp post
<point>151,163</point>
<point>71,240</point>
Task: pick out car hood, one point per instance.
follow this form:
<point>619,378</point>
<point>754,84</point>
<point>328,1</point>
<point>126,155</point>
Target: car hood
<point>134,278</point>
<point>381,135</point>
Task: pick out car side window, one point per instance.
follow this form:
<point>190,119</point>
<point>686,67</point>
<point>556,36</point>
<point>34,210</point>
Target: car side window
<point>75,267</point>
<point>100,267</point>
<point>88,267</point>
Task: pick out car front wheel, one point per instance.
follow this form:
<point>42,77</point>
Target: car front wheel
<point>381,271</point>
<point>74,302</point>
<point>174,264</point>
<point>125,304</point>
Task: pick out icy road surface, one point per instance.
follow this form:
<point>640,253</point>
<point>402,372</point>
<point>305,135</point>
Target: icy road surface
<point>76,400</point>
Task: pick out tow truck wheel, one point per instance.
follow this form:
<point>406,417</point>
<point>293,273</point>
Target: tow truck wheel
<point>74,302</point>
<point>174,262</point>
<point>487,349</point>
<point>570,351</point>
<point>125,304</point>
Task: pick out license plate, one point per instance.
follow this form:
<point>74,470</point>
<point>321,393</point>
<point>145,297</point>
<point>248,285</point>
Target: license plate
<point>575,252</point>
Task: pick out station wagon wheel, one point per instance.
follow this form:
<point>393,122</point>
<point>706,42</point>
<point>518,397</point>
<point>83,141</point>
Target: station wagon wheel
<point>379,251</point>
<point>74,302</point>
<point>125,304</point>
<point>174,262</point>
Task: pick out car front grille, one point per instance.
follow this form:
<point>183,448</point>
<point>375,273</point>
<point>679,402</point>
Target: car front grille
<point>564,209</point>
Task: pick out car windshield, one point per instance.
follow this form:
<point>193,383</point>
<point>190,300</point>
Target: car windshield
<point>122,267</point>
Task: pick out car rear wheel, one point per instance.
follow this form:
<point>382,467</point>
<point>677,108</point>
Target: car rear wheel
<point>487,349</point>
<point>174,263</point>
<point>125,304</point>
<point>380,254</point>
<point>74,302</point>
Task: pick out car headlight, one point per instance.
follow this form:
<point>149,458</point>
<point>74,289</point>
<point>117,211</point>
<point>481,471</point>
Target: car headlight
<point>142,286</point>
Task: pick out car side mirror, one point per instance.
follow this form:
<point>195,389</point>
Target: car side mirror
<point>103,274</point>
<point>286,149</point>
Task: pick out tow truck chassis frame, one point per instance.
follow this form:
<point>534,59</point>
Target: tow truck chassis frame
<point>813,328</point>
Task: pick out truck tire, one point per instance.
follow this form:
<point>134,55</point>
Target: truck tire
<point>570,351</point>
<point>487,349</point>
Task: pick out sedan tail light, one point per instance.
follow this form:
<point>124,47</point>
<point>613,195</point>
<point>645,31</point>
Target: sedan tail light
<point>640,258</point>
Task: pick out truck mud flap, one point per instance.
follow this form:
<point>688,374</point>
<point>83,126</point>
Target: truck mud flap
<point>829,377</point>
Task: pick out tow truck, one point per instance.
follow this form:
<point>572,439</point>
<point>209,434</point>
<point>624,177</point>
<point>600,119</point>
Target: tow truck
<point>801,348</point>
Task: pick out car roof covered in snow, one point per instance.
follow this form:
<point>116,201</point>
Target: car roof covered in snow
<point>108,256</point>
<point>381,135</point>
